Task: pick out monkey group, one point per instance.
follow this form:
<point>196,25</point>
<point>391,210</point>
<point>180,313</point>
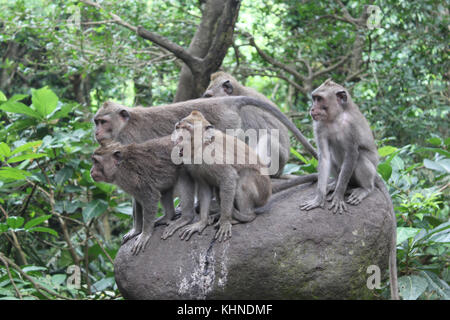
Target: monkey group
<point>183,149</point>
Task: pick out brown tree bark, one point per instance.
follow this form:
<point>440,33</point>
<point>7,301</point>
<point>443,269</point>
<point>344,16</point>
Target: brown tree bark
<point>207,49</point>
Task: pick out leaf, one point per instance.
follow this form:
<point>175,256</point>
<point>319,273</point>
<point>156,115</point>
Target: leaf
<point>411,287</point>
<point>44,101</point>
<point>3,227</point>
<point>298,155</point>
<point>94,209</point>
<point>435,141</point>
<point>44,229</point>
<point>18,107</point>
<point>61,112</point>
<point>4,149</point>
<point>385,170</point>
<point>2,97</point>
<point>437,284</point>
<point>103,284</point>
<point>33,268</point>
<point>13,173</point>
<point>26,156</point>
<point>433,165</point>
<point>36,221</point>
<point>26,146</point>
<point>386,150</point>
<point>15,222</point>
<point>404,233</point>
<point>435,150</point>
<point>290,168</point>
<point>63,175</point>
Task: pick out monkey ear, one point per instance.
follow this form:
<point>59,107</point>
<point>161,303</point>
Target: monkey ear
<point>124,114</point>
<point>117,156</point>
<point>227,87</point>
<point>342,97</point>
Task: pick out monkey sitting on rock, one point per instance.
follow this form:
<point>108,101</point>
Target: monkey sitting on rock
<point>146,171</point>
<point>347,150</point>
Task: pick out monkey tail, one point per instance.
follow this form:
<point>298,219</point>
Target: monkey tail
<point>294,182</point>
<point>243,101</point>
<point>239,216</point>
<point>379,183</point>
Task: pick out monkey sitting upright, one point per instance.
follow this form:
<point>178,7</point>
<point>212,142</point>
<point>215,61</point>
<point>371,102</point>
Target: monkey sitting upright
<point>145,171</point>
<point>347,150</point>
<point>239,179</point>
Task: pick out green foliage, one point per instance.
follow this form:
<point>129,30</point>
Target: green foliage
<point>59,64</point>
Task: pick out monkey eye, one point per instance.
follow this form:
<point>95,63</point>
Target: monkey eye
<point>317,98</point>
<point>324,107</point>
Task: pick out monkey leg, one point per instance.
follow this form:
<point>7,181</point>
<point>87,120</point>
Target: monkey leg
<point>364,177</point>
<point>204,194</point>
<point>137,222</point>
<point>150,207</point>
<point>169,210</point>
<point>227,192</point>
<point>246,193</point>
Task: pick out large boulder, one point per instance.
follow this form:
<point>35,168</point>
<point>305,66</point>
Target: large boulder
<point>285,253</point>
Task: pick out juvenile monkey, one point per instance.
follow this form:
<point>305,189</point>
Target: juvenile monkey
<point>223,84</point>
<point>146,172</point>
<point>347,150</point>
<point>228,164</point>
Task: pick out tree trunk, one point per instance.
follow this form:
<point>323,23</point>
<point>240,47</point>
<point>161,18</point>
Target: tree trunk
<point>212,25</point>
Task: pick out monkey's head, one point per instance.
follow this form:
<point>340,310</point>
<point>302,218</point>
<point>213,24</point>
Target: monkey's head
<point>221,85</point>
<point>329,100</point>
<point>109,120</point>
<point>105,161</point>
<point>188,127</point>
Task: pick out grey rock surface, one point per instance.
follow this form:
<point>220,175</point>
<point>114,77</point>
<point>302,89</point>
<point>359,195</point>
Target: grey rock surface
<point>285,253</point>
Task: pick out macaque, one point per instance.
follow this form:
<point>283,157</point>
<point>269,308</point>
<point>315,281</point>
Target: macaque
<point>145,171</point>
<point>225,163</point>
<point>224,84</point>
<point>347,151</point>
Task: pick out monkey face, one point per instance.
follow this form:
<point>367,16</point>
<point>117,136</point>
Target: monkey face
<point>220,88</point>
<point>319,108</point>
<point>109,121</point>
<point>104,166</point>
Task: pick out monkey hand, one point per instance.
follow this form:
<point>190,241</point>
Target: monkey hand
<point>317,201</point>
<point>337,204</point>
<point>140,243</point>
<point>189,230</point>
<point>131,234</point>
<point>224,231</point>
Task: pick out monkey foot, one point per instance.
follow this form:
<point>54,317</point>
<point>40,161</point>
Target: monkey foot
<point>163,220</point>
<point>189,230</point>
<point>357,196</point>
<point>224,231</point>
<point>311,204</point>
<point>174,226</point>
<point>140,243</point>
<point>131,234</point>
<point>213,218</point>
<point>337,205</point>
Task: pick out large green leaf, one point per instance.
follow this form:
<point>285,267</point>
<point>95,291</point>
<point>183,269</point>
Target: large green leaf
<point>36,221</point>
<point>44,101</point>
<point>385,170</point>
<point>26,146</point>
<point>63,175</point>
<point>411,287</point>
<point>13,173</point>
<point>15,222</point>
<point>26,156</point>
<point>2,97</point>
<point>404,233</point>
<point>44,229</point>
<point>94,209</point>
<point>4,149</point>
<point>19,107</point>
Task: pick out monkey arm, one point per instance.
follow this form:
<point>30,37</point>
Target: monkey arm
<point>204,195</point>
<point>348,166</point>
<point>324,168</point>
<point>149,201</point>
